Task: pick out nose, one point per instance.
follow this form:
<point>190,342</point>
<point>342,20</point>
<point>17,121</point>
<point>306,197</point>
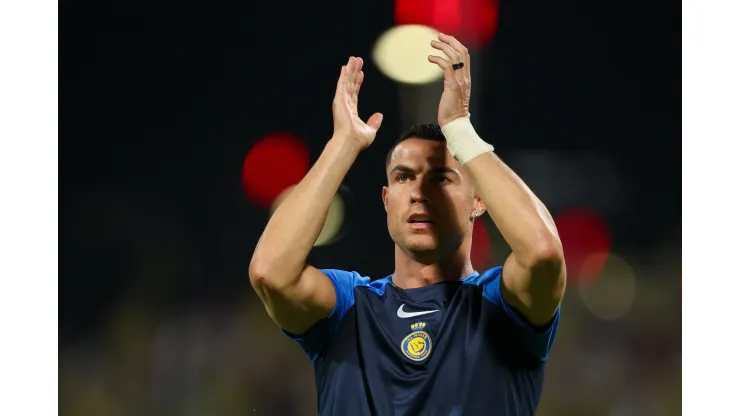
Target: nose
<point>418,195</point>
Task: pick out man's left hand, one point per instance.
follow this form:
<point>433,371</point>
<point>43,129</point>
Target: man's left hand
<point>455,102</point>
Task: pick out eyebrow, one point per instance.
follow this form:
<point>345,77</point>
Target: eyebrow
<point>439,169</point>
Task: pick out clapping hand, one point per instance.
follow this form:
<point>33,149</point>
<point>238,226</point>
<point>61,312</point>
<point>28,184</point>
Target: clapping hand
<point>455,101</point>
<point>347,123</point>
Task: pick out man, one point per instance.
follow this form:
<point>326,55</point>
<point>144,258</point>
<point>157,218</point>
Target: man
<point>436,337</point>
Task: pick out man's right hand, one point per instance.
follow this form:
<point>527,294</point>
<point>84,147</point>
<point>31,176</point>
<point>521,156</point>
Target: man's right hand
<point>347,123</point>
<point>297,295</point>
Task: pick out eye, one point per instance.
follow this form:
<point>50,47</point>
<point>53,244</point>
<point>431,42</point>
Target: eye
<point>403,177</point>
<point>443,179</point>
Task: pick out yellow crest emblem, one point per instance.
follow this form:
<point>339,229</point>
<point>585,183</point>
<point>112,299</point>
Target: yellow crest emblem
<point>418,344</point>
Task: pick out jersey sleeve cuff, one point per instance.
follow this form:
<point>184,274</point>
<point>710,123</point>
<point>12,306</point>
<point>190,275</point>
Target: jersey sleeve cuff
<point>313,339</point>
<point>522,321</point>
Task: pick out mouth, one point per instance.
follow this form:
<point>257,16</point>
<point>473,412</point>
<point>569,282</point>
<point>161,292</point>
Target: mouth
<point>420,221</point>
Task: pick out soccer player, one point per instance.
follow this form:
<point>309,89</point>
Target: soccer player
<point>435,337</point>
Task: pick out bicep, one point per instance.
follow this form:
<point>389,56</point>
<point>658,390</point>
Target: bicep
<point>534,292</point>
<point>297,307</point>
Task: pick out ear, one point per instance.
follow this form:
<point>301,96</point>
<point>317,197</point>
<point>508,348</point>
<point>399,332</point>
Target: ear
<point>478,208</point>
<point>385,198</point>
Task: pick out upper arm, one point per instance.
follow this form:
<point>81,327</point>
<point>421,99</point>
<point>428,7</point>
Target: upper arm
<point>536,339</point>
<point>310,310</point>
<point>298,306</point>
<point>534,291</point>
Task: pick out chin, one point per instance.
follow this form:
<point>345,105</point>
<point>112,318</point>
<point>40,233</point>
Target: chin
<point>421,246</point>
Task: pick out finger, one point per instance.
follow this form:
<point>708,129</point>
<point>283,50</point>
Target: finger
<point>460,49</point>
<point>443,63</point>
<point>456,45</point>
<point>355,69</point>
<point>451,53</point>
<point>342,82</point>
<point>351,71</point>
<point>355,88</point>
<point>358,83</point>
<point>375,121</point>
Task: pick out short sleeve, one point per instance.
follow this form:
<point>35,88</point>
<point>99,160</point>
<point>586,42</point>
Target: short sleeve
<point>537,339</point>
<point>313,340</point>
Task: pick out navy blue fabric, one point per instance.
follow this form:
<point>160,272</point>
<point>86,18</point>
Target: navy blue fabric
<point>451,348</point>
<point>537,340</point>
<point>344,286</point>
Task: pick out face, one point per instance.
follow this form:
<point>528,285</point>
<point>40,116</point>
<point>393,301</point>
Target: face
<point>429,199</point>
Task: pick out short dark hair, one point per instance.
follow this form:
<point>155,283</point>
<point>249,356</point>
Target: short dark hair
<point>430,131</point>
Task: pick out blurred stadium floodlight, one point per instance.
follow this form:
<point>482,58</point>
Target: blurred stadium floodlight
<point>401,54</point>
<point>333,226</point>
<point>611,295</point>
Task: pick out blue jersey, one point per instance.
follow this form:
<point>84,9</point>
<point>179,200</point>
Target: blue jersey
<point>450,348</point>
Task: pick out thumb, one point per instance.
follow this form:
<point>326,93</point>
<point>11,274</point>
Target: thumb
<point>375,120</point>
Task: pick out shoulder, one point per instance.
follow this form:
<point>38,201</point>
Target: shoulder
<point>484,279</point>
<point>345,282</point>
<point>346,278</point>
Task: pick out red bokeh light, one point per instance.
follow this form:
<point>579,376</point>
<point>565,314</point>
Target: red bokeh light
<point>274,163</point>
<point>481,253</point>
<point>472,22</point>
<point>586,242</point>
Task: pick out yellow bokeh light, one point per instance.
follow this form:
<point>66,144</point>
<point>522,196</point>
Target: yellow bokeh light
<point>334,219</point>
<point>611,295</point>
<point>401,54</point>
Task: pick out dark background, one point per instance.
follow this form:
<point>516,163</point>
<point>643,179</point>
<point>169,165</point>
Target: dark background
<point>161,101</point>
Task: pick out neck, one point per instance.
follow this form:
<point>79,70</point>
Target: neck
<point>412,273</point>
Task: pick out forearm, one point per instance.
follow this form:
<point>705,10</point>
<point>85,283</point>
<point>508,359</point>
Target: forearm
<point>523,220</point>
<point>533,278</point>
<point>520,216</point>
<point>289,236</point>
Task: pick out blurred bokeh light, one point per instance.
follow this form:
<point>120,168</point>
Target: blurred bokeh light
<point>275,162</point>
<point>401,54</point>
<point>610,296</point>
<point>481,252</point>
<point>563,179</point>
<point>472,22</point>
<point>332,230</point>
<point>586,240</point>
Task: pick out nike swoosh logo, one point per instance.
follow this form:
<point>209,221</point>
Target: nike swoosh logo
<point>403,314</point>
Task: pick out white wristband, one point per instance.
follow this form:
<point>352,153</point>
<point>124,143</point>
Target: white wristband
<point>462,140</point>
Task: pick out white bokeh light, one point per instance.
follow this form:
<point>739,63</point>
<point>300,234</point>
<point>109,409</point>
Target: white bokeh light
<point>611,295</point>
<point>334,219</point>
<point>401,54</point>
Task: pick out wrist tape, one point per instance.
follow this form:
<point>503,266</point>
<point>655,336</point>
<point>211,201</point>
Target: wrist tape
<point>462,140</point>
